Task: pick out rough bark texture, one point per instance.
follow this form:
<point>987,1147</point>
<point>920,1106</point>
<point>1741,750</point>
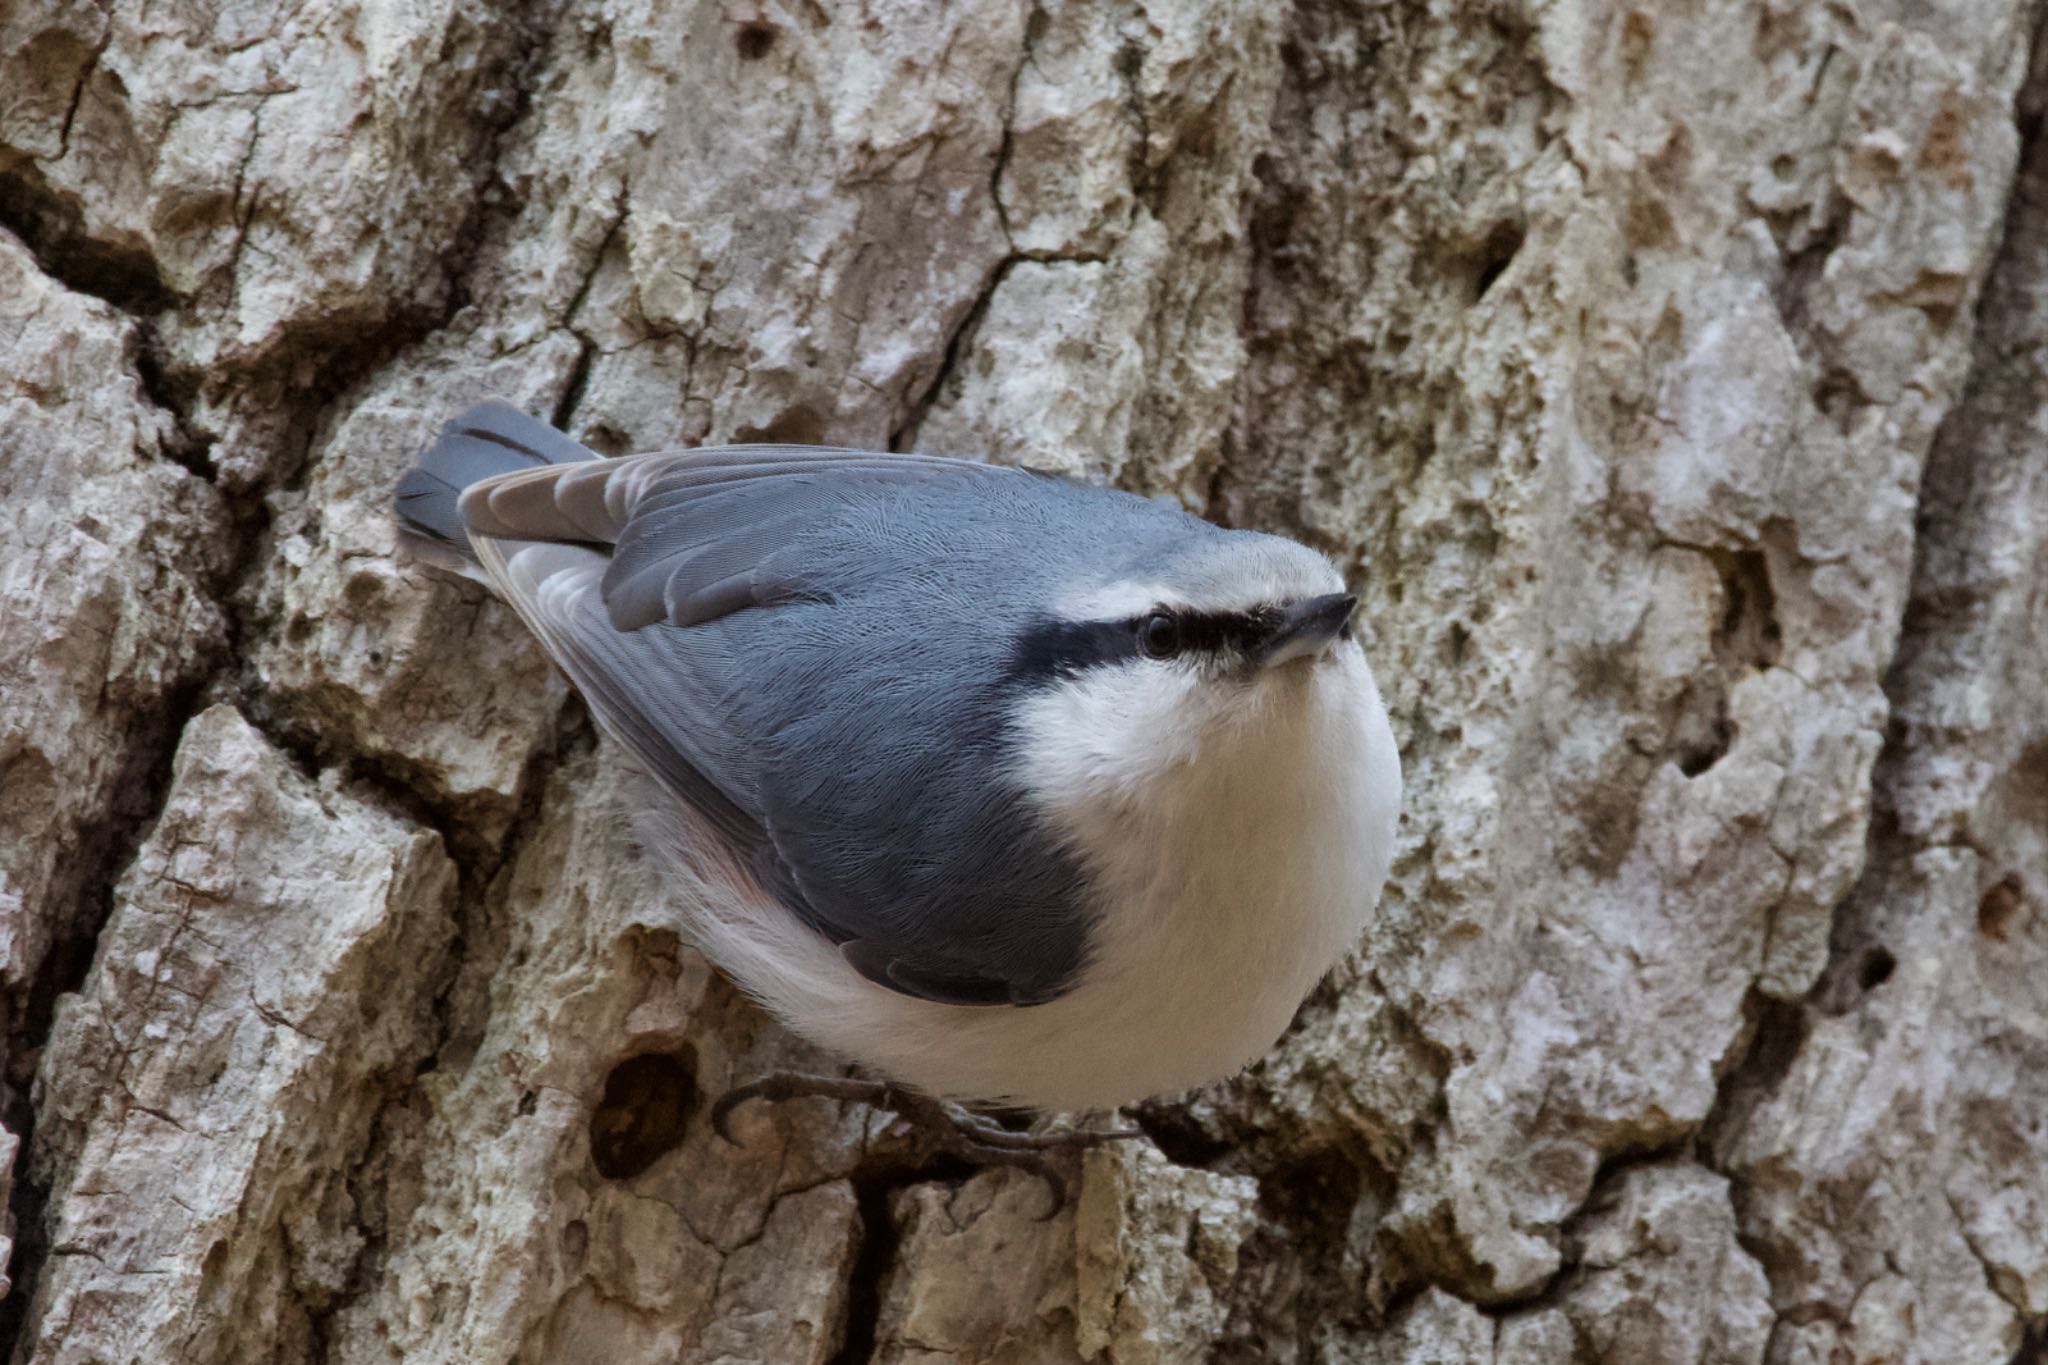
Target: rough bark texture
<point>1672,379</point>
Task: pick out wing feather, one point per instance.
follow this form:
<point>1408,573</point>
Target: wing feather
<point>652,700</point>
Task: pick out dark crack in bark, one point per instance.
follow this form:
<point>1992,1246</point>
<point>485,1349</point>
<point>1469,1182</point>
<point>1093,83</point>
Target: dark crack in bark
<point>51,225</point>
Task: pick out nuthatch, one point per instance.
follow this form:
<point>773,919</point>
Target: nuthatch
<point>1011,788</point>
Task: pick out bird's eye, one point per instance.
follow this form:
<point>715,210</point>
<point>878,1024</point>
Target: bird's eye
<point>1159,635</point>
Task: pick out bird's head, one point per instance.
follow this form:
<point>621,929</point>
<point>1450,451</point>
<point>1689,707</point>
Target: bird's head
<point>1235,648</point>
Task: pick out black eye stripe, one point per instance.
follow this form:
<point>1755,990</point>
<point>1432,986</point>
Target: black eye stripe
<point>1219,630</point>
<point>1048,649</point>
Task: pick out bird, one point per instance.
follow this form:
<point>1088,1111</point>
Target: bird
<point>1010,788</point>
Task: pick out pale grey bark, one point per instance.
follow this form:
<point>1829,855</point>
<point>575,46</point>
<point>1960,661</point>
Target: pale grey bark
<point>1672,379</point>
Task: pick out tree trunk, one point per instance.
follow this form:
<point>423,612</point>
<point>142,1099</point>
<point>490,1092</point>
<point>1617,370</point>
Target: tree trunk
<point>1672,380</point>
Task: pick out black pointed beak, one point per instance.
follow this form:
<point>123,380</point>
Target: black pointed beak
<point>1307,627</point>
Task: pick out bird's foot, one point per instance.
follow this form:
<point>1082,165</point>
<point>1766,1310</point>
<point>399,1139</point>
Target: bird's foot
<point>966,1135</point>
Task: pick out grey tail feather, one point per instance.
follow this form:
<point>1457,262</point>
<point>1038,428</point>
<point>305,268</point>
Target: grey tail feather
<point>491,438</point>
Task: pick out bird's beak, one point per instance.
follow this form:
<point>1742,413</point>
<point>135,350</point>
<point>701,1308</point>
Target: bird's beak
<point>1306,628</point>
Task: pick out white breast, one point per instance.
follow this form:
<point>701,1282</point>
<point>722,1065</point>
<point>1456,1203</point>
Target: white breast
<point>1241,855</point>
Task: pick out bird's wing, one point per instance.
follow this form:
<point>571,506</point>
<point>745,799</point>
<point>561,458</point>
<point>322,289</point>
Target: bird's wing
<point>656,637</point>
<point>697,534</point>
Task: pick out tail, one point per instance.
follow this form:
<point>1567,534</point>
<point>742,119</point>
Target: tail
<point>491,438</point>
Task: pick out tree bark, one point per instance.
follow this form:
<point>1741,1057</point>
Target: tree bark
<point>1672,380</point>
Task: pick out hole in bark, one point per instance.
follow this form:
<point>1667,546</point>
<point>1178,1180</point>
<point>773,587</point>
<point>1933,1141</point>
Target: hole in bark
<point>1877,968</point>
<point>1697,756</point>
<point>1839,399</point>
<point>1996,910</point>
<point>646,1108</point>
<point>1179,1135</point>
<point>754,41</point>
<point>1495,255</point>
<point>1746,638</point>
<point>1459,641</point>
<point>1749,635</point>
